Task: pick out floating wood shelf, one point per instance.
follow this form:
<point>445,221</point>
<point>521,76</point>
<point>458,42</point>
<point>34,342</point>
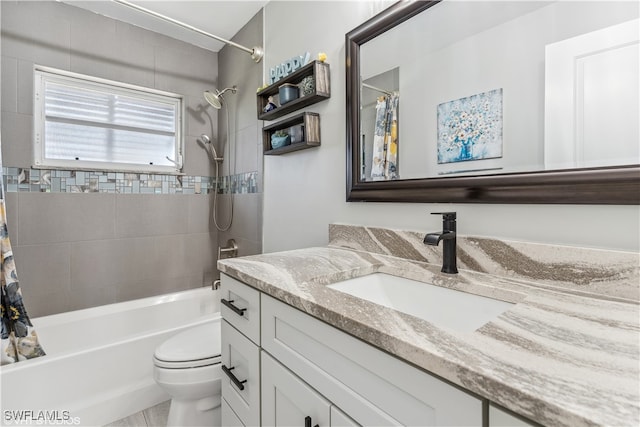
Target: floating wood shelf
<point>322,90</point>
<point>303,128</point>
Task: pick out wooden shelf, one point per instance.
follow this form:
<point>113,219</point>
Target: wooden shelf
<point>306,126</point>
<point>322,90</point>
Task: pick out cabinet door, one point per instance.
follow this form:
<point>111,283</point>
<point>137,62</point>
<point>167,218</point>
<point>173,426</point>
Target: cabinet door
<point>287,400</point>
<point>373,387</point>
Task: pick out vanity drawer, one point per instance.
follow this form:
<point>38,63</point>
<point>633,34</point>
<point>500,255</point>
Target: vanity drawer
<point>241,375</point>
<point>229,418</point>
<point>373,387</point>
<point>240,306</point>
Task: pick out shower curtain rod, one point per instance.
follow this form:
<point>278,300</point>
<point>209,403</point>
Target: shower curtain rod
<point>256,53</point>
<point>368,86</point>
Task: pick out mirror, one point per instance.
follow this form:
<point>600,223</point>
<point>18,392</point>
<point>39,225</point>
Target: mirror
<point>481,102</point>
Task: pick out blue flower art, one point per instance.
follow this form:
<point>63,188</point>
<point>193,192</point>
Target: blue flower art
<point>470,128</point>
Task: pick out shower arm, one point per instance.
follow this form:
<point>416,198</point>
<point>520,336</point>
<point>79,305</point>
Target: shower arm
<point>256,53</point>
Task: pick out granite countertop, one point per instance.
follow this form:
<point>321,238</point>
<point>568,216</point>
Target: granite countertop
<point>557,356</point>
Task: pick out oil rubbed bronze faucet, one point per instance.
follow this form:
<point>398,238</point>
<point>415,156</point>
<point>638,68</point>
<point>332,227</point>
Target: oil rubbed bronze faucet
<point>448,234</point>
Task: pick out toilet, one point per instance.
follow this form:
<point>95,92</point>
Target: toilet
<point>187,367</point>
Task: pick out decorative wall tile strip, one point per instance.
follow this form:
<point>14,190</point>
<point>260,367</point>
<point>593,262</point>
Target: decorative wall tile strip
<point>72,181</point>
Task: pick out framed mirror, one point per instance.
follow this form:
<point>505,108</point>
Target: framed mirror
<point>493,102</point>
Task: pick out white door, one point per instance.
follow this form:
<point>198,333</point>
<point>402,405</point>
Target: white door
<point>592,87</point>
<point>288,401</point>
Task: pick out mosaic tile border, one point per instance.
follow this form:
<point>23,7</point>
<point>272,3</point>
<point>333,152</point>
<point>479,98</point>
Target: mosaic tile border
<point>76,181</point>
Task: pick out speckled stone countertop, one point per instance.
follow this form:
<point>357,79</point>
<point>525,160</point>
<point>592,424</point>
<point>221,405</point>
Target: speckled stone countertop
<point>563,354</point>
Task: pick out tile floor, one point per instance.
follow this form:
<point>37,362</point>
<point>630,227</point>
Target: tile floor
<point>156,416</point>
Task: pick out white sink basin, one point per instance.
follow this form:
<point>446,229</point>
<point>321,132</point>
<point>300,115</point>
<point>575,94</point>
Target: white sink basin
<point>442,307</point>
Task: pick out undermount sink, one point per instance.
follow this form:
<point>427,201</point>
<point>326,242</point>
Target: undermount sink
<point>442,307</point>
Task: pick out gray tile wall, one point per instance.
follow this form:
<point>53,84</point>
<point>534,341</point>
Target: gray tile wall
<point>237,68</point>
<point>62,36</point>
<point>81,250</point>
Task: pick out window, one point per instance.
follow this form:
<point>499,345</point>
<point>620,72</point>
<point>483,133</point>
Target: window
<point>83,122</point>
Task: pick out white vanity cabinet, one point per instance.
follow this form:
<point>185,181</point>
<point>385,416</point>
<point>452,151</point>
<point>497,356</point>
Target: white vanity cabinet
<point>313,374</point>
<point>372,387</point>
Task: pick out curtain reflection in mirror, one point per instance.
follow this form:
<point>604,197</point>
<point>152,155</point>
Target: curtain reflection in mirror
<point>379,138</point>
<point>385,139</point>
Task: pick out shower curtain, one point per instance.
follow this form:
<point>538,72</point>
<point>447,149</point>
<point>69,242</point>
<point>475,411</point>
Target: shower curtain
<point>19,338</point>
<point>385,139</point>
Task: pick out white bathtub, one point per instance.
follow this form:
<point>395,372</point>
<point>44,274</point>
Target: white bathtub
<point>98,366</point>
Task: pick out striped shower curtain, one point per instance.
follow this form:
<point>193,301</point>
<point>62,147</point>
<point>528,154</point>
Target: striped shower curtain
<point>385,139</point>
<point>19,338</point>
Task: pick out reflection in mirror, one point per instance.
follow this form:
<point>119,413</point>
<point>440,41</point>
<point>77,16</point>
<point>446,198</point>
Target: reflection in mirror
<point>501,87</point>
<point>456,58</point>
<point>591,93</point>
<point>379,124</point>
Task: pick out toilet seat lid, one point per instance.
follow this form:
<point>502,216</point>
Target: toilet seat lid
<point>197,343</point>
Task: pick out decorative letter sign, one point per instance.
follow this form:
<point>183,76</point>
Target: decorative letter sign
<point>288,67</point>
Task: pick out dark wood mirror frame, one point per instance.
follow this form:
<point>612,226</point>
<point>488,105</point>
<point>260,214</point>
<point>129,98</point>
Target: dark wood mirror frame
<point>606,185</point>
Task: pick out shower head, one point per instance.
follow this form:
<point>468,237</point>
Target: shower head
<point>215,98</point>
<point>205,141</point>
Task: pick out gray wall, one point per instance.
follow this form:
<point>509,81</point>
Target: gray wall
<point>82,250</point>
<point>237,68</point>
<point>305,191</point>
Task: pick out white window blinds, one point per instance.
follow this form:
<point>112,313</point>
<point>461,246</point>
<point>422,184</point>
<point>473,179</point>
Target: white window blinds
<point>86,123</point>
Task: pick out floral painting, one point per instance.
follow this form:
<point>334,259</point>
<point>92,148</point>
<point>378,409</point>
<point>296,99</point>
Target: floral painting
<point>470,128</point>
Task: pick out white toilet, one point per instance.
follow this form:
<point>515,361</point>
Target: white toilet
<point>187,366</point>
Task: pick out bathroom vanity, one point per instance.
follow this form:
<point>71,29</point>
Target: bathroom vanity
<point>300,348</point>
<point>306,365</point>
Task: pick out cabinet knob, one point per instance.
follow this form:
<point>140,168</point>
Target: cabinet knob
<point>238,311</point>
<point>307,422</point>
<point>234,379</point>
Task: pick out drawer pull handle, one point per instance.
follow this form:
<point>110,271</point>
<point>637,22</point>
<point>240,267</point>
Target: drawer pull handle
<point>232,377</point>
<point>238,311</point>
<point>307,422</point>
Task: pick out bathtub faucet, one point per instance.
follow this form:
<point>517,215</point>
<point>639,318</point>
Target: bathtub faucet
<point>229,251</point>
<point>448,234</point>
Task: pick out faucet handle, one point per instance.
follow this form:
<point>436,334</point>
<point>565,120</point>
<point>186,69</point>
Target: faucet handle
<point>446,215</point>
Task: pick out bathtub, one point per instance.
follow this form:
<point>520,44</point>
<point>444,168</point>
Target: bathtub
<point>98,366</point>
